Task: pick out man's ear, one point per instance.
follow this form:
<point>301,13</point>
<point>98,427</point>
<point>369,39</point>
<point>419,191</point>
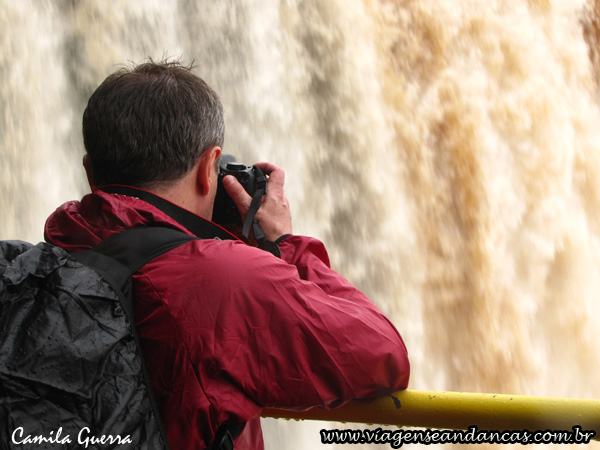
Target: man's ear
<point>87,164</point>
<point>207,169</point>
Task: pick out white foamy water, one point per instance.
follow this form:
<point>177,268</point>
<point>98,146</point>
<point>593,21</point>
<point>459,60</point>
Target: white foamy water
<point>447,152</point>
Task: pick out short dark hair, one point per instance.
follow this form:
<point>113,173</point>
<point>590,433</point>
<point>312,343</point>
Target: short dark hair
<point>149,124</point>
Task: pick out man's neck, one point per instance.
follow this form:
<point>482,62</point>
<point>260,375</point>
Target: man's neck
<point>184,194</point>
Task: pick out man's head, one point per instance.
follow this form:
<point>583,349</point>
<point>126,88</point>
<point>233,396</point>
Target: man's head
<point>148,126</point>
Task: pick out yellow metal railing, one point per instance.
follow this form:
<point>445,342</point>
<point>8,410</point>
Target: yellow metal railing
<point>459,411</point>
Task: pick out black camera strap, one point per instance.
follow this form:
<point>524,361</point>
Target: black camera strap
<point>197,225</point>
<point>259,234</point>
<point>261,183</point>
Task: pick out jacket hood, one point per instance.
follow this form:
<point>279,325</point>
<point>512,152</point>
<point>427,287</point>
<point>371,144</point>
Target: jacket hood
<point>79,225</point>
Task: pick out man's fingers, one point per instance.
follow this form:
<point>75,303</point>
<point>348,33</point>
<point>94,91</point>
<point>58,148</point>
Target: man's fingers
<point>274,213</point>
<point>275,173</point>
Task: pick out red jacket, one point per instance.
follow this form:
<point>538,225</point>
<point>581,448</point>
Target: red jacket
<point>228,329</point>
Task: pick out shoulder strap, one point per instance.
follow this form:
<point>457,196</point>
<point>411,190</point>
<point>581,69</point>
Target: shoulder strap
<point>121,255</point>
<point>131,249</point>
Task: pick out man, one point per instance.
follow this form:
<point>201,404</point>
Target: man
<point>226,328</point>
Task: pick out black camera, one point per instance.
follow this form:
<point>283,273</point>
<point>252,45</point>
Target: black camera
<point>252,178</point>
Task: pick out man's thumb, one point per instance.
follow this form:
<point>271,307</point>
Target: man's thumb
<point>237,192</point>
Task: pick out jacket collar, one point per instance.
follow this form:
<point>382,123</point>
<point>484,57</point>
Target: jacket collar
<point>197,225</point>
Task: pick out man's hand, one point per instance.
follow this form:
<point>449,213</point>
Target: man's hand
<point>274,216</point>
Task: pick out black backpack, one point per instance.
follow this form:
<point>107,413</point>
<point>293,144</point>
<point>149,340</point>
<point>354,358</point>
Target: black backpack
<point>71,370</point>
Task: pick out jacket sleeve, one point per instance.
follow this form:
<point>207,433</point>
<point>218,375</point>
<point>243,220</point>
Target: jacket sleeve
<point>295,334</point>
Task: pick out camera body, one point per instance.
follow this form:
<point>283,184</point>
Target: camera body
<point>224,211</point>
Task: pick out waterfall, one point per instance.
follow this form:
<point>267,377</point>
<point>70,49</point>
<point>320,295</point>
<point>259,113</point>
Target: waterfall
<point>446,152</point>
